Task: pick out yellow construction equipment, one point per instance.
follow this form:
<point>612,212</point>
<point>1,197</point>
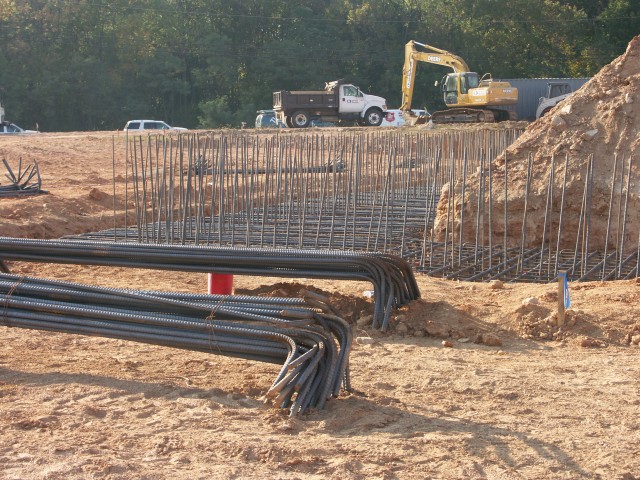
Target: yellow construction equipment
<point>468,97</point>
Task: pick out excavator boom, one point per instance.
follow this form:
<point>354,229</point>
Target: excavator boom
<point>430,54</point>
<point>438,56</point>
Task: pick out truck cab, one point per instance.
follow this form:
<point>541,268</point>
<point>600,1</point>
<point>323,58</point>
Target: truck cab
<point>351,99</point>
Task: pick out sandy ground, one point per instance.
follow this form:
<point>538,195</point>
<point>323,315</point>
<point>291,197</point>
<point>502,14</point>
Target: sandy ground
<point>546,403</point>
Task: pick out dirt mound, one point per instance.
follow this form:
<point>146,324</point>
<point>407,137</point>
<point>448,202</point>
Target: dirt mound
<point>602,118</point>
<point>351,308</point>
<point>602,121</point>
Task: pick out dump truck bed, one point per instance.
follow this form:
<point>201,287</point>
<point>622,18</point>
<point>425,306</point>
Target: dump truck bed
<point>303,100</point>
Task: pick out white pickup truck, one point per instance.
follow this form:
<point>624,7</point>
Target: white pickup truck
<point>138,125</point>
<point>8,127</point>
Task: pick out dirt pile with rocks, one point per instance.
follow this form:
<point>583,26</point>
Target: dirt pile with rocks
<point>601,120</point>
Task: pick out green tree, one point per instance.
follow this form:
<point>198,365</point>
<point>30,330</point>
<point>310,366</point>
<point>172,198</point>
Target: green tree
<point>94,64</point>
<point>620,23</point>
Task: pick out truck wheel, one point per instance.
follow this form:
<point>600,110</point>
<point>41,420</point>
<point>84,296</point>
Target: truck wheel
<point>300,119</point>
<point>288,122</point>
<point>373,117</point>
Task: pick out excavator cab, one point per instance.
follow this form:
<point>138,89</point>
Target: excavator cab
<point>450,88</point>
<point>457,85</point>
<point>468,81</point>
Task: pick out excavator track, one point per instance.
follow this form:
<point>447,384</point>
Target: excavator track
<point>463,115</point>
<point>472,115</point>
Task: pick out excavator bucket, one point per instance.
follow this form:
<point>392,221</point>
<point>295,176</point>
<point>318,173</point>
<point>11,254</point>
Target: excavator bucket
<point>411,118</point>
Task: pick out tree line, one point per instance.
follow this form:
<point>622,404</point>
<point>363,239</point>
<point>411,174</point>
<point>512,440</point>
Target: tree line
<point>94,64</point>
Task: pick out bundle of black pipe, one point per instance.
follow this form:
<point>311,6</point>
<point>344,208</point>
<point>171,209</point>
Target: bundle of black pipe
<point>25,182</point>
<point>392,278</point>
<point>312,343</point>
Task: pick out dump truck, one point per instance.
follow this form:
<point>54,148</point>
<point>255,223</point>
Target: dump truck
<point>338,102</point>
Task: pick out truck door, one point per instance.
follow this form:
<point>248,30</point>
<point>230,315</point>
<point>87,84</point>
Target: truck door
<point>351,99</point>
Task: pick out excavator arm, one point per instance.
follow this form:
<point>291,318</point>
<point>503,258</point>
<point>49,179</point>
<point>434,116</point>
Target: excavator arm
<point>428,54</point>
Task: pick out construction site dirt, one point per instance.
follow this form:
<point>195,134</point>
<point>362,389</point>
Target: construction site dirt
<point>473,380</point>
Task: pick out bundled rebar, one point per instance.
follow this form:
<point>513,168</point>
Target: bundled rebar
<point>311,343</point>
<point>393,281</point>
<point>25,182</point>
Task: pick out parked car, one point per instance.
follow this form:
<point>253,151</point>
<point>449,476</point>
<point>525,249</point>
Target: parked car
<point>394,118</point>
<point>267,119</point>
<point>139,125</point>
<point>7,127</point>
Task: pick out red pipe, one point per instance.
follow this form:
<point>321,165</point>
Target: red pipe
<point>220,284</point>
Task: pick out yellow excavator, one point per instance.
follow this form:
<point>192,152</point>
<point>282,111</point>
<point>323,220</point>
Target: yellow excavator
<point>468,97</point>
